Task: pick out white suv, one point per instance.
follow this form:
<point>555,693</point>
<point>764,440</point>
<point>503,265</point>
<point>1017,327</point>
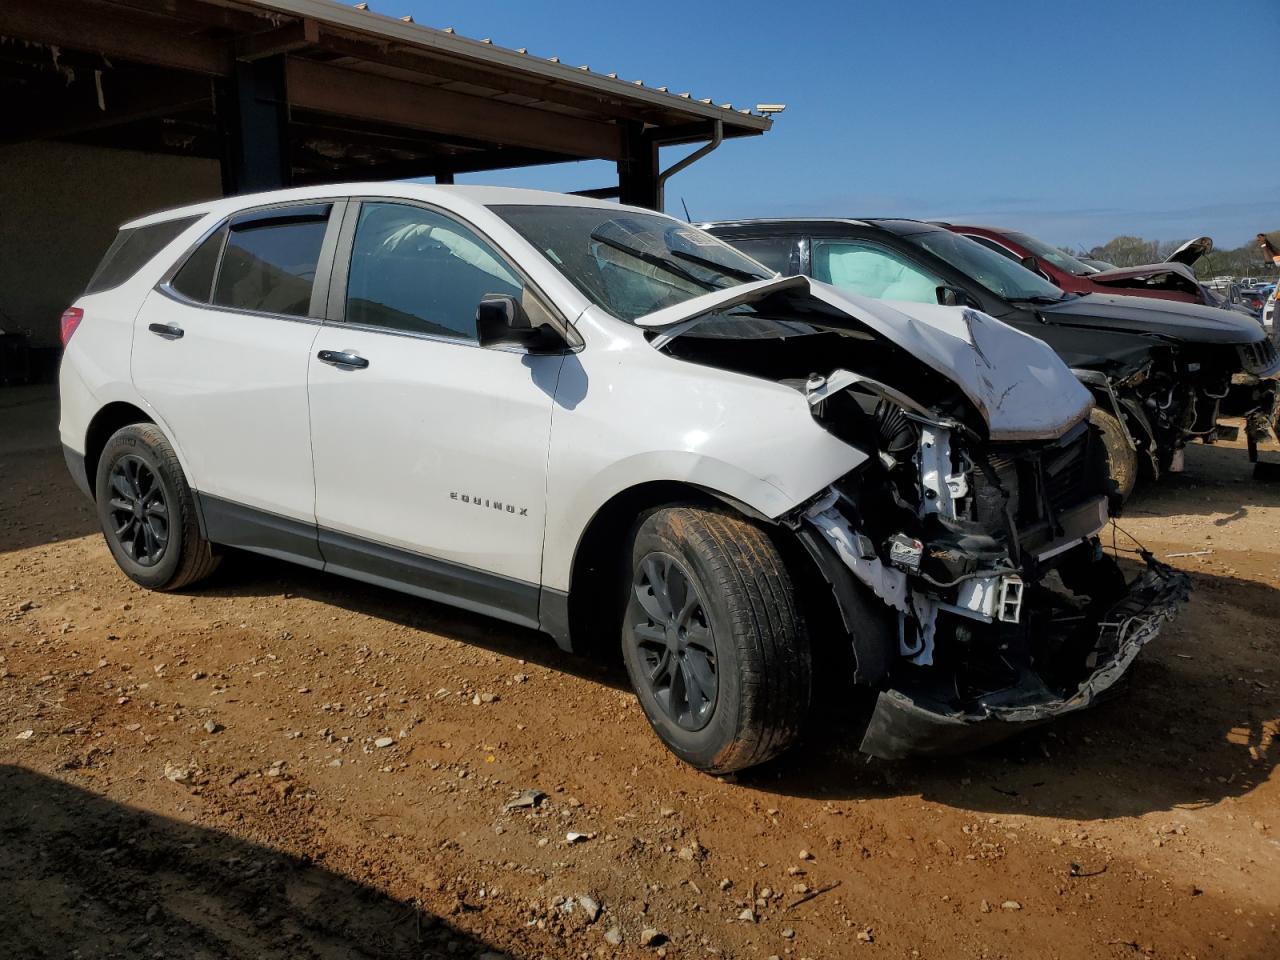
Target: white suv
<point>603,423</point>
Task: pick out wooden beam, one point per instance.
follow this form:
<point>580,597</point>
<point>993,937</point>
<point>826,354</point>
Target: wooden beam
<point>100,30</point>
<point>289,38</point>
<point>335,90</point>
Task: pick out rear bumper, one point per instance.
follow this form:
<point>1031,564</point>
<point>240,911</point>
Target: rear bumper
<point>75,464</point>
<point>910,724</point>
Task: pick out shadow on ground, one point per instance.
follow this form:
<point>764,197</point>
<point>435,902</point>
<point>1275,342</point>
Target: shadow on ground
<point>88,877</point>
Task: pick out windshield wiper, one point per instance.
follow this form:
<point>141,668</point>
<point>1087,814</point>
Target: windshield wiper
<point>718,267</point>
<point>663,263</point>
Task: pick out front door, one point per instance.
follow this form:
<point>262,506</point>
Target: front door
<point>430,451</point>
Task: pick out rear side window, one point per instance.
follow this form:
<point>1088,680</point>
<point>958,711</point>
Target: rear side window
<point>269,261</point>
<point>132,249</point>
<point>195,279</point>
<point>776,253</point>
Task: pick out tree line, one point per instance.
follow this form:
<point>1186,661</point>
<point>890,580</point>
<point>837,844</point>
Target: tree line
<point>1128,251</point>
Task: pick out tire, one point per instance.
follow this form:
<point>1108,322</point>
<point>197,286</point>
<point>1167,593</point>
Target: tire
<point>1122,459</point>
<point>147,513</point>
<point>733,666</point>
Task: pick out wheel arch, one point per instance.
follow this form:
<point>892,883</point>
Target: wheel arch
<point>597,570</point>
<point>105,422</point>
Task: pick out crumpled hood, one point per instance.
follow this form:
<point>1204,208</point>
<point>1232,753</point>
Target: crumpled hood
<point>1186,322</point>
<point>1017,383</point>
<point>1145,271</point>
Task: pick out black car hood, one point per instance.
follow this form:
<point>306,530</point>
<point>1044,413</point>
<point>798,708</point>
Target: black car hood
<point>1167,319</point>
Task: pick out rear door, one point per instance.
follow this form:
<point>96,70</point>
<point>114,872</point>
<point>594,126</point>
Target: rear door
<point>221,349</point>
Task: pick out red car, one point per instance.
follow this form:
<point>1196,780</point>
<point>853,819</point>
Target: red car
<point>1174,280</point>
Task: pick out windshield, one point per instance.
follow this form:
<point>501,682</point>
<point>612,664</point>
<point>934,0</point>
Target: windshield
<point>1060,259</point>
<point>631,264</point>
<point>997,273</point>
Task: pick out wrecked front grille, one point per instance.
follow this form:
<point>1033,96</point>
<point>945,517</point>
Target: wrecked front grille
<point>1068,470</point>
<point>1041,482</point>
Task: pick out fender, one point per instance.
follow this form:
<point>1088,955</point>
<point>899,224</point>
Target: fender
<point>567,521</point>
<point>81,403</point>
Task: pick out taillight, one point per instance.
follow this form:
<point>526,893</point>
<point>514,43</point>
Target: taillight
<point>71,318</point>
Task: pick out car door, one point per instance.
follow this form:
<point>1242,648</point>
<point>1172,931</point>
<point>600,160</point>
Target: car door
<point>221,350</point>
<point>430,451</point>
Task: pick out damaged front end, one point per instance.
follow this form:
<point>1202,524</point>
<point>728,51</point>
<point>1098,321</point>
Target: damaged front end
<point>1004,610</point>
<point>963,554</point>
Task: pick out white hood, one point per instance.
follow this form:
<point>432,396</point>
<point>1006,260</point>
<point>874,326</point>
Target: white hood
<point>1021,387</point>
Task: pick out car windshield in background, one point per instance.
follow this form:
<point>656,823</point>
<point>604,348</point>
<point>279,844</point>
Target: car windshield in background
<point>1059,258</point>
<point>997,273</point>
<point>630,264</point>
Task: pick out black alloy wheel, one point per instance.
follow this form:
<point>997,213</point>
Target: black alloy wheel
<point>712,637</point>
<point>148,511</point>
<point>139,511</point>
<point>674,641</point>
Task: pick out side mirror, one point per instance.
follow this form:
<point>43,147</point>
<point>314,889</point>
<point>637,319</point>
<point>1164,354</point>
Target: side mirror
<point>501,318</point>
<point>1031,263</point>
<point>954,297</point>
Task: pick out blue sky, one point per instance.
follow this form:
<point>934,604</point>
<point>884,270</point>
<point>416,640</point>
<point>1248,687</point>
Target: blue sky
<point>1075,121</point>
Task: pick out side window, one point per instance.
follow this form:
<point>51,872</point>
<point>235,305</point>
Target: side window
<point>131,250</point>
<point>776,253</point>
<point>269,261</point>
<point>194,278</point>
<point>992,245</point>
<point>419,271</point>
<point>872,271</point>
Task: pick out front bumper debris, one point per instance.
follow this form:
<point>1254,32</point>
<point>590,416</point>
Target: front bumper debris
<point>907,723</point>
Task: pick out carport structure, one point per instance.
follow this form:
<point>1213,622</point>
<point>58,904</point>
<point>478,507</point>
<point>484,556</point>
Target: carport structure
<point>233,96</point>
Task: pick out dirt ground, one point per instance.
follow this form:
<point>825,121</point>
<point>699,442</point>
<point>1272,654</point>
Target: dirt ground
<point>200,775</point>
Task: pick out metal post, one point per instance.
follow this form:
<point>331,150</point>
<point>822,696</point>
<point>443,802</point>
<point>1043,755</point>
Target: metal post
<point>638,167</point>
<point>254,122</point>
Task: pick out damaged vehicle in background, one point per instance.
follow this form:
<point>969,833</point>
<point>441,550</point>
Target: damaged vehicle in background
<point>1158,369</point>
<point>603,423</point>
<point>1174,279</point>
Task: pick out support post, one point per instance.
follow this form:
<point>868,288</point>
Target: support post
<point>254,124</point>
<point>638,167</point>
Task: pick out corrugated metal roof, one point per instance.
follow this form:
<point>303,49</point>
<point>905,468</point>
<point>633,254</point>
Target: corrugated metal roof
<point>447,42</point>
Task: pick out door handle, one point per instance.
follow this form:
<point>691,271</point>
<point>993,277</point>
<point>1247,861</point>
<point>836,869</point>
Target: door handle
<point>170,331</point>
<point>343,358</point>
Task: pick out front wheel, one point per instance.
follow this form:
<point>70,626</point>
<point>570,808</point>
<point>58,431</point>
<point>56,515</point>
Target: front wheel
<point>147,512</point>
<point>713,640</point>
<point>1122,459</point>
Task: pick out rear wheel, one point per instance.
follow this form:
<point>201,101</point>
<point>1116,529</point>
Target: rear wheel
<point>712,639</point>
<point>147,512</point>
<point>1122,459</point>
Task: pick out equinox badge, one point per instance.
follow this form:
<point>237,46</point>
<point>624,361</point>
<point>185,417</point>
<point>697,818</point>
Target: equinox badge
<point>492,504</point>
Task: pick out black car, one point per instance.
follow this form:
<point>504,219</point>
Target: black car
<point>1158,368</point>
